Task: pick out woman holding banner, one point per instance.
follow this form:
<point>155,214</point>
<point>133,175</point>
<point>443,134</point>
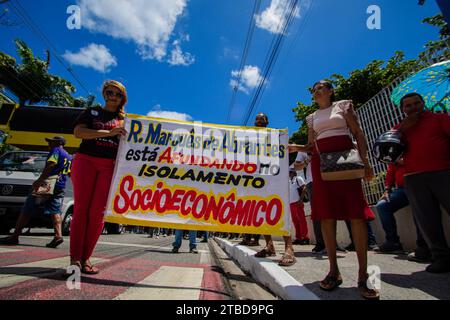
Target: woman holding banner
<point>329,130</point>
<point>100,130</point>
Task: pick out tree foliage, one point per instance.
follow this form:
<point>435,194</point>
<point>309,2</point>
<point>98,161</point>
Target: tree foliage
<point>359,86</point>
<point>363,84</point>
<point>30,80</point>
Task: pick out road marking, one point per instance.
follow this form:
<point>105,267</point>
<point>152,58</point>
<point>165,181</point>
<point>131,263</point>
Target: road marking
<point>167,283</point>
<point>123,244</point>
<point>33,270</point>
<point>205,257</point>
<point>8,250</point>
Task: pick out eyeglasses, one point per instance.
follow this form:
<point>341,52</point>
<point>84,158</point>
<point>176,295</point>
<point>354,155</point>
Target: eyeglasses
<point>110,93</point>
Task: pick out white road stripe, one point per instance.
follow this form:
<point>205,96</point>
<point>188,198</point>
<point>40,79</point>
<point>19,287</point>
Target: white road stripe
<point>23,272</point>
<point>167,283</point>
<point>8,250</point>
<point>122,244</point>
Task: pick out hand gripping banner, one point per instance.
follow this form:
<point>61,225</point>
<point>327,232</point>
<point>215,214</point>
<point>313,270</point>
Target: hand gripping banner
<point>196,176</point>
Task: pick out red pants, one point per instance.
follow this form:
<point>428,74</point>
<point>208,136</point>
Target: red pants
<point>91,179</point>
<point>299,220</point>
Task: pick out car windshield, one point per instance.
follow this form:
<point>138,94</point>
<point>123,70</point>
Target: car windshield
<point>23,161</point>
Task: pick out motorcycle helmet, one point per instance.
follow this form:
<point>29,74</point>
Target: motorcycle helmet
<point>388,148</point>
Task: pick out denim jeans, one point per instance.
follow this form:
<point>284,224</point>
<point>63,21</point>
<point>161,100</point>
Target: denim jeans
<point>370,235</point>
<point>386,210</point>
<point>179,237</point>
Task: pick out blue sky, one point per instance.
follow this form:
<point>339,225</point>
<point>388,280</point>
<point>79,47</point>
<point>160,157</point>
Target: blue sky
<point>178,56</point>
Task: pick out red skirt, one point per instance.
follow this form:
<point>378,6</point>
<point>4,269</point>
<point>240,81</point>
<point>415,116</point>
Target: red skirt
<point>337,200</point>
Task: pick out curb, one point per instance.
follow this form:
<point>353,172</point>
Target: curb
<point>267,273</point>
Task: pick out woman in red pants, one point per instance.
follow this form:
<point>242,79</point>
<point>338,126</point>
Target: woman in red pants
<point>330,130</point>
<point>100,130</point>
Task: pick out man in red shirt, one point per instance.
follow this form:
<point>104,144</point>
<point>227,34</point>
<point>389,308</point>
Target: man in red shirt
<point>427,174</point>
<point>394,199</point>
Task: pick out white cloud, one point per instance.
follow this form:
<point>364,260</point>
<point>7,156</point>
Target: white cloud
<point>157,112</point>
<point>95,56</point>
<point>250,78</point>
<point>273,18</point>
<point>178,57</point>
<point>149,24</point>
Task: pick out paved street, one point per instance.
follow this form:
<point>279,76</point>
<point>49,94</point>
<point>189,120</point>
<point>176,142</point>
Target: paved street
<point>132,267</point>
<point>400,278</point>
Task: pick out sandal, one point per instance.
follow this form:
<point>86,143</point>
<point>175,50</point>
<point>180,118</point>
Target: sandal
<point>287,260</point>
<point>265,253</point>
<point>366,293</point>
<point>88,268</point>
<point>330,282</point>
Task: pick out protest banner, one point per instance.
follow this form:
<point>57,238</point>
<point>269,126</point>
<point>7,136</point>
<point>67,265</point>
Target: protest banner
<point>195,176</point>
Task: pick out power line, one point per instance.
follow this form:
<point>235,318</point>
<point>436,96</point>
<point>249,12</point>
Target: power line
<point>271,60</point>
<point>21,12</point>
<point>248,39</point>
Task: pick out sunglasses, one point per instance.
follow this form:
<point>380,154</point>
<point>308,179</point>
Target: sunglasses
<point>111,93</point>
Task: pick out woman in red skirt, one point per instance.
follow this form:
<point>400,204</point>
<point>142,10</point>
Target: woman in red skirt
<point>92,170</point>
<point>330,130</point>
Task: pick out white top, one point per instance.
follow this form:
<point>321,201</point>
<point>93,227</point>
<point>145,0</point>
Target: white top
<point>330,122</point>
<point>295,183</point>
<point>302,157</point>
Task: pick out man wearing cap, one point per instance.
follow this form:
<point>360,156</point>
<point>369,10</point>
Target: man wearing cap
<point>58,164</point>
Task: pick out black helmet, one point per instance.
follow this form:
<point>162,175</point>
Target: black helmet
<point>388,147</point>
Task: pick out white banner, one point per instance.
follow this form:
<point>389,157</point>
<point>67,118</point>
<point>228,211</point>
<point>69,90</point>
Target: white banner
<point>195,176</point>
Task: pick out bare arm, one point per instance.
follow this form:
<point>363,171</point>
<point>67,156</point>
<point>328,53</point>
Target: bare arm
<point>44,175</point>
<point>355,128</point>
<point>82,132</point>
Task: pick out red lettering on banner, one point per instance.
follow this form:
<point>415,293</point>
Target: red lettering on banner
<point>201,206</point>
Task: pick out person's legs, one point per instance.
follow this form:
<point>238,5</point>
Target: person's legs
<point>57,222</point>
<point>192,240</point>
<point>269,249</point>
<point>178,237</point>
<point>288,258</point>
<point>360,236</point>
<point>372,240</point>
<point>83,177</point>
<point>303,223</point>
<point>427,212</point>
<point>320,244</point>
<point>99,200</point>
<point>329,237</point>
<point>295,215</point>
<point>386,210</point>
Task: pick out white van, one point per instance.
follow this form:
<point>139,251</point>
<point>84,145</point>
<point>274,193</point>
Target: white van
<point>18,171</point>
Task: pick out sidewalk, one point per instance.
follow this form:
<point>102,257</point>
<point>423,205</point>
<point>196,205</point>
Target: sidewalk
<point>400,278</point>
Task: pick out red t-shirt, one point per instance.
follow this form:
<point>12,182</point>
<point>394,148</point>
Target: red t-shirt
<point>394,176</point>
<point>428,144</point>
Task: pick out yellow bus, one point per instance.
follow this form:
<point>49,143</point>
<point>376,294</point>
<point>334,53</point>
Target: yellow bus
<point>28,126</point>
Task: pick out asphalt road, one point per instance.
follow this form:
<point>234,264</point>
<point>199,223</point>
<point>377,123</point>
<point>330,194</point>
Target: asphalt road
<point>132,266</point>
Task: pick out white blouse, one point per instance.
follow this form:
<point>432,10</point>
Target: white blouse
<point>330,122</point>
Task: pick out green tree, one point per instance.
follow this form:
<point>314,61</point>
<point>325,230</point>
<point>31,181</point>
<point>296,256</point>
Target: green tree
<point>444,36</point>
<point>360,86</point>
<point>30,80</point>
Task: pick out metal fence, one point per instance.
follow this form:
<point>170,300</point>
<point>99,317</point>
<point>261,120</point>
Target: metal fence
<point>379,115</point>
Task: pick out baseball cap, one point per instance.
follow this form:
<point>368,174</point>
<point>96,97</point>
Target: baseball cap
<point>59,139</point>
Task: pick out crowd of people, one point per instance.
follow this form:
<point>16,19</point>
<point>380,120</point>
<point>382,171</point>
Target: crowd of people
<point>420,178</point>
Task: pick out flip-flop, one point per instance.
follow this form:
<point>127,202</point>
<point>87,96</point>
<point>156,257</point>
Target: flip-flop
<point>366,293</point>
<point>264,253</point>
<point>287,260</point>
<point>87,268</point>
<point>330,283</point>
